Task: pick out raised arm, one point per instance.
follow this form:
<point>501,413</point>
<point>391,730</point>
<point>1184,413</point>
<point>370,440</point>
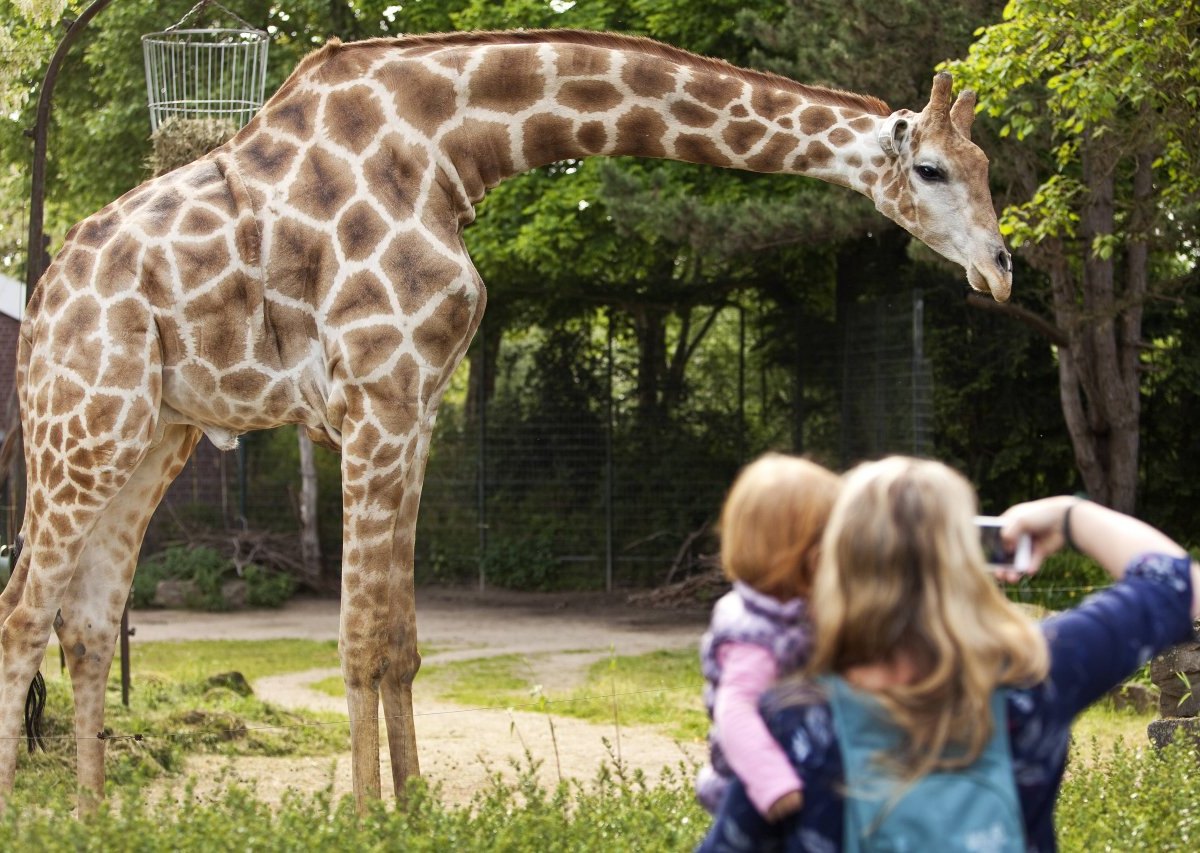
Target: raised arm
<point>1111,538</point>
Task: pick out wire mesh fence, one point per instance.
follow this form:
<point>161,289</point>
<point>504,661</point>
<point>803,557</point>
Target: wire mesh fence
<point>571,475</point>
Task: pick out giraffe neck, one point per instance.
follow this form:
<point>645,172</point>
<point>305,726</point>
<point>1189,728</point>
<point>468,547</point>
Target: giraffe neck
<point>489,106</point>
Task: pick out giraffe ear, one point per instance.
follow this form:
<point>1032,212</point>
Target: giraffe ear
<point>893,133</point>
<point>962,114</point>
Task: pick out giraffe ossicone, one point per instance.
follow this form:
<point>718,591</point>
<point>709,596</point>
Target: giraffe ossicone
<point>312,271</point>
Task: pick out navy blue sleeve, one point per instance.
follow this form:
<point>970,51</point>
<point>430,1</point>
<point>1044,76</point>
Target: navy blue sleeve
<point>738,827</point>
<point>1100,643</point>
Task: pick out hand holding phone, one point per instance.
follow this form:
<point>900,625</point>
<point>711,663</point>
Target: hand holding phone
<point>996,554</point>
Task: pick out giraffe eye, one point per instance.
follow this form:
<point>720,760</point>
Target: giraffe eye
<point>930,173</point>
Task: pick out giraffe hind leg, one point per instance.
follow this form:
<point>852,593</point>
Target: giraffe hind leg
<point>35,699</point>
<point>90,615</point>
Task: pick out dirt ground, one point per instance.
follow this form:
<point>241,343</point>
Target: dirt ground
<point>559,634</point>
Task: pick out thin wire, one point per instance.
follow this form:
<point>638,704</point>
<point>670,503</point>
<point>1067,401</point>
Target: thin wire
<point>540,704</point>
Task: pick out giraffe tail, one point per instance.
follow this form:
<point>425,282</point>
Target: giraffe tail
<point>35,704</point>
<point>35,700</point>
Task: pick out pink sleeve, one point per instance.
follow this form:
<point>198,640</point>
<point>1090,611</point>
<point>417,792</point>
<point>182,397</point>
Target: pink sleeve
<point>756,757</point>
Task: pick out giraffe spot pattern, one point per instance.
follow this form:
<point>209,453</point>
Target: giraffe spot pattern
<point>589,96</point>
<point>647,77</point>
<point>322,186</point>
<point>508,80</point>
<point>592,135</point>
<point>693,115</point>
<point>393,172</point>
<point>772,156</point>
<point>546,139</point>
<point>424,98</point>
<point>360,230</point>
<point>699,149</point>
<point>640,131</point>
<point>814,120</point>
<point>352,117</point>
<point>741,136</point>
<point>716,91</point>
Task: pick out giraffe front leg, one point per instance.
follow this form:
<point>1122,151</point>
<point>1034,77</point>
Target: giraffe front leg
<point>396,688</point>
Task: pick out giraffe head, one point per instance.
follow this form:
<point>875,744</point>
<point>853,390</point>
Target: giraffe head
<point>937,187</point>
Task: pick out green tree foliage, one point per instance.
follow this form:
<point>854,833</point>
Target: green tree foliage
<point>1099,102</point>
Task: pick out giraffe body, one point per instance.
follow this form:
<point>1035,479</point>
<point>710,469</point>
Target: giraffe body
<point>312,271</point>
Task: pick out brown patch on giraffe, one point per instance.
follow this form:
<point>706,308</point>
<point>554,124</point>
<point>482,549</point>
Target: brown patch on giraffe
<point>589,96</point>
<point>393,173</point>
<point>482,150</point>
<point>290,332</point>
<point>892,191</point>
<point>322,185</point>
<point>819,154</point>
<point>869,177</point>
<point>117,268</point>
<point>294,116</point>
<point>352,117</point>
<point>508,80</point>
<point>741,136</point>
<point>102,413</point>
<point>839,137</point>
<point>878,160</point>
<point>582,63</point>
<point>77,263</point>
<point>693,115</point>
<point>739,111</point>
<point>640,131</point>
<point>198,221</point>
<point>814,120</point>
<point>245,384</point>
<point>359,231</point>
<point>158,217</point>
<point>439,337</point>
<point>547,139</point>
<point>396,398</point>
<point>772,103</point>
<point>200,261</point>
<point>714,90</point>
<point>303,263</point>
<point>198,376</point>
<point>785,122</point>
<point>421,97</point>
<point>772,156</point>
<point>592,135</point>
<point>854,161</point>
<point>862,124</point>
<point>647,76</point>
<point>266,158</point>
<point>95,230</point>
<point>361,297</point>
<point>415,272</point>
<point>699,149</point>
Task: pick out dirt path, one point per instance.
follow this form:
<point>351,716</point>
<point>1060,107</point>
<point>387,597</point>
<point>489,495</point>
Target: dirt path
<point>559,635</point>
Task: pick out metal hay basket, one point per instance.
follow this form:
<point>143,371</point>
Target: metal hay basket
<point>212,73</point>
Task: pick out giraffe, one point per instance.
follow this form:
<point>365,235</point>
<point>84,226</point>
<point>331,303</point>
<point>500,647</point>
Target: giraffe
<point>312,271</point>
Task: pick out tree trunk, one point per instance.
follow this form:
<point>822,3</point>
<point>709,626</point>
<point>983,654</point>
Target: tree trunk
<point>310,540</point>
<point>1098,371</point>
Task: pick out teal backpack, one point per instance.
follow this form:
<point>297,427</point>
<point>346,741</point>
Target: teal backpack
<point>973,809</point>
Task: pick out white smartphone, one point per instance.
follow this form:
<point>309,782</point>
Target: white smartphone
<point>995,553</point>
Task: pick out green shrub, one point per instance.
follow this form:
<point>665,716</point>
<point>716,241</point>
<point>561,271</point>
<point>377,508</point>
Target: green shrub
<point>208,570</point>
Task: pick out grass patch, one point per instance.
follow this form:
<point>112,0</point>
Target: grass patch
<point>617,811</point>
<point>177,707</point>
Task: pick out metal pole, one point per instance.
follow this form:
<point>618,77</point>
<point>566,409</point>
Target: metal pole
<point>36,264</point>
<point>741,384</point>
<point>125,632</point>
<point>608,468</point>
<point>481,480</point>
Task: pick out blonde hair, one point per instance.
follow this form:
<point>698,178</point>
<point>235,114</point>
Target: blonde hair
<point>772,522</point>
<point>902,570</point>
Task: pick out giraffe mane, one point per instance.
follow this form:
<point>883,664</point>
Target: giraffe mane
<point>620,41</point>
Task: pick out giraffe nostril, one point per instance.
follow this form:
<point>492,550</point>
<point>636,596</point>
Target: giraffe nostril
<point>1004,261</point>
